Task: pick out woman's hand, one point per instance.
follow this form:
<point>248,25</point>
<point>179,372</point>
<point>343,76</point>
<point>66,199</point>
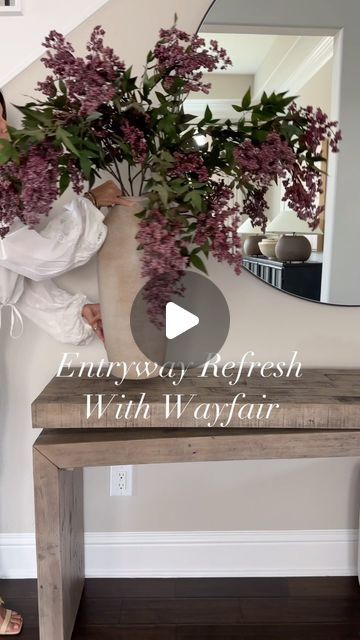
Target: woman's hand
<point>91,314</point>
<point>108,194</point>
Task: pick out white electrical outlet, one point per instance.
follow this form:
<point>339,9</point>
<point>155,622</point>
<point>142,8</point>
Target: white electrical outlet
<point>121,480</point>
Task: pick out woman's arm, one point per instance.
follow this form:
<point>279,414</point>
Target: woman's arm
<point>58,312</point>
<point>68,241</point>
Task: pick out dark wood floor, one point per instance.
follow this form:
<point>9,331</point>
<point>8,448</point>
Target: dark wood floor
<point>199,609</point>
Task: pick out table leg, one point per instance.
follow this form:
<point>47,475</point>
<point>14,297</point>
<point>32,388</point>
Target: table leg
<point>59,515</point>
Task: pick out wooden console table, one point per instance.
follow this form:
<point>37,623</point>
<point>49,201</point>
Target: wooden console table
<point>319,416</point>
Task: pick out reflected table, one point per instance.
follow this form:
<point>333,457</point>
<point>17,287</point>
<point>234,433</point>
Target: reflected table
<point>318,416</point>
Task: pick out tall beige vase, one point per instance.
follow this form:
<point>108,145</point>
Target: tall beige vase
<point>119,282</point>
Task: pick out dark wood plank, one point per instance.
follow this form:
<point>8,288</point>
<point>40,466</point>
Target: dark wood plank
<point>269,632</point>
<point>130,587</point>
<point>344,586</point>
<point>231,587</point>
<point>298,610</point>
<point>222,632</point>
<point>181,611</point>
<point>205,609</point>
<point>125,633</point>
<point>347,586</point>
<point>96,611</point>
<point>323,399</point>
<point>26,588</point>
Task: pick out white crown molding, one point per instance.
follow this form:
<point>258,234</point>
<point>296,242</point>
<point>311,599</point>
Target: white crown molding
<point>310,66</point>
<point>220,108</point>
<point>301,74</point>
<point>163,554</point>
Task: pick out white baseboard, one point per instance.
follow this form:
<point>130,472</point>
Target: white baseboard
<point>163,554</point>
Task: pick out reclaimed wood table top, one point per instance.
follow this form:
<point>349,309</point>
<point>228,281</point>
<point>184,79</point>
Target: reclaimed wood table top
<point>320,399</point>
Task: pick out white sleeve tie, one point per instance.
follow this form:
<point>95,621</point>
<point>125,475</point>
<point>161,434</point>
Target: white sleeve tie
<point>16,319</point>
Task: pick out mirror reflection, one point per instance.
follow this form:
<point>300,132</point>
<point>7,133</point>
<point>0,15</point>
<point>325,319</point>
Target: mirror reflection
<point>288,254</point>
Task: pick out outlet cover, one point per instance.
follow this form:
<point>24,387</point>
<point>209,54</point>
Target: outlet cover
<point>121,480</point>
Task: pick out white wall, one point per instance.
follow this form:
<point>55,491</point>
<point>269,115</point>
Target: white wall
<point>21,36</point>
<point>224,86</point>
<point>318,90</point>
<point>320,494</point>
<point>226,90</point>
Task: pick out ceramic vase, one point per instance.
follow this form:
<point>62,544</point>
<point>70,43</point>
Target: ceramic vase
<point>119,277</point>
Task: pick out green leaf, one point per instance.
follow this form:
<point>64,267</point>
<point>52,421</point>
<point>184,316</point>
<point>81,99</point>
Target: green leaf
<point>246,101</point>
<point>163,193</point>
<point>205,249</point>
<point>196,200</point>
<point>187,117</point>
<point>156,176</point>
<point>64,137</point>
<point>62,87</point>
<point>197,262</point>
<point>161,97</point>
<point>64,182</point>
<point>86,166</point>
<point>208,114</point>
<point>39,116</point>
<point>5,153</point>
<point>167,156</point>
<point>92,178</point>
<point>95,115</point>
<point>260,136</point>
<point>35,134</point>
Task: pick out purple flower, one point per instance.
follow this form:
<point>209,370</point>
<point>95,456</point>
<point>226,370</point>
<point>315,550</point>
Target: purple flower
<point>28,189</point>
<point>218,227</point>
<point>301,192</point>
<point>181,56</point>
<point>162,259</point>
<point>264,163</point>
<point>189,163</point>
<point>89,81</point>
<point>9,197</point>
<point>255,206</point>
<point>134,137</point>
<point>76,176</point>
<point>316,128</point>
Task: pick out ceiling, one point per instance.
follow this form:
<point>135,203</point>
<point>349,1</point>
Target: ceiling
<point>247,51</point>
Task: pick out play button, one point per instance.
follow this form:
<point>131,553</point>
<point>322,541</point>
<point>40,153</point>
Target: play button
<point>178,320</point>
<point>194,321</point>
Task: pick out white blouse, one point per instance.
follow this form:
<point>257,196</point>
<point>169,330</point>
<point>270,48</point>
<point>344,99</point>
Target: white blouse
<point>29,259</point>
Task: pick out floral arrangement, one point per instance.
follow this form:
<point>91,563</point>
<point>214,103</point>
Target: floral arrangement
<point>95,115</point>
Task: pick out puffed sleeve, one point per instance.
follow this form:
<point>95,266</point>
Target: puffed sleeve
<point>55,311</point>
<point>68,241</point>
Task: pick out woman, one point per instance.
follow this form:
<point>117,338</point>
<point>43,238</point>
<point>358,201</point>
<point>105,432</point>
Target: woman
<point>28,261</point>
